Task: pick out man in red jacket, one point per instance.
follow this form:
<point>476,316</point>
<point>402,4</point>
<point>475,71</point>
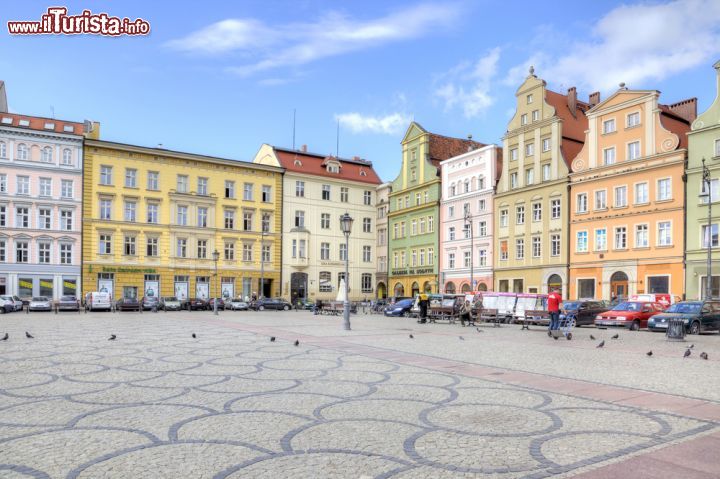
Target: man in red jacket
<point>553,301</point>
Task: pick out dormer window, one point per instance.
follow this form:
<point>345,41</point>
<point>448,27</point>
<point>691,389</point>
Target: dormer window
<point>363,173</point>
<point>333,169</point>
<point>298,163</point>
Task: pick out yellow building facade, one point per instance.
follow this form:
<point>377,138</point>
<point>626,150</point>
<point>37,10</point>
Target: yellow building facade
<point>152,219</point>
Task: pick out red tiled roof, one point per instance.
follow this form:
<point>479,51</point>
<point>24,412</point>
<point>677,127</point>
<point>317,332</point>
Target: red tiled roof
<point>573,125</point>
<point>675,123</point>
<point>314,164</point>
<point>445,147</point>
<point>38,123</point>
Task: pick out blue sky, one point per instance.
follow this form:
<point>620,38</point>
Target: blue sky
<point>221,78</point>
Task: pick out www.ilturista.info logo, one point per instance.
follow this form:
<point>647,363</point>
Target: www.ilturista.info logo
<point>57,22</point>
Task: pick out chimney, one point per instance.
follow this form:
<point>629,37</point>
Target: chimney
<point>3,98</point>
<point>594,98</point>
<point>470,143</point>
<point>356,158</point>
<point>686,109</point>
<point>572,99</point>
<point>303,148</point>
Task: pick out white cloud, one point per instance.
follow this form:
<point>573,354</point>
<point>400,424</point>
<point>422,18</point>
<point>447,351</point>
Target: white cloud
<point>638,43</point>
<point>276,46</point>
<point>467,86</point>
<point>392,124</point>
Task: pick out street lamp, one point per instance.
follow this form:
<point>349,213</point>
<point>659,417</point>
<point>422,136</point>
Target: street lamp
<point>346,222</point>
<point>469,225</point>
<point>707,193</point>
<point>216,257</point>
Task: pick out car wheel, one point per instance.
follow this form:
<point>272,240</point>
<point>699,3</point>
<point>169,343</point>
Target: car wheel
<point>286,308</point>
<point>406,314</point>
<point>261,308</point>
<point>694,327</point>
<point>635,326</point>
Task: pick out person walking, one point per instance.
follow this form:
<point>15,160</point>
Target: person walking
<point>553,301</point>
<point>423,304</point>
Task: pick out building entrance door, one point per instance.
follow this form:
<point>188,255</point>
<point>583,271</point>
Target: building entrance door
<point>619,285</point>
<point>298,286</point>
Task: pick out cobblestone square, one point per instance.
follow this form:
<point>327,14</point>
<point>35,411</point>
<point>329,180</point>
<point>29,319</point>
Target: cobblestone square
<point>367,403</point>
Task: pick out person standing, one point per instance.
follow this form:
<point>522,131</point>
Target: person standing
<point>554,300</point>
<point>423,304</point>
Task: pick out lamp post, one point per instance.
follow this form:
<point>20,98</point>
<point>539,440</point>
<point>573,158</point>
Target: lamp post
<point>469,225</point>
<point>346,222</point>
<point>216,257</point>
<point>262,265</point>
<point>707,186</point>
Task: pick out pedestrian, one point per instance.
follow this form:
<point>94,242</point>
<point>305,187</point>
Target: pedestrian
<point>553,301</point>
<point>423,305</point>
<point>318,307</point>
<point>465,313</point>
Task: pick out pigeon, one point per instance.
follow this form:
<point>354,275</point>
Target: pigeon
<point>592,337</point>
<point>194,336</point>
<point>28,335</point>
<point>691,346</point>
<point>479,330</point>
<point>615,337</point>
<point>112,337</point>
<point>649,353</point>
<point>461,338</point>
<point>297,343</point>
<point>687,353</point>
<point>602,343</point>
<point>272,339</point>
<point>412,337</point>
<point>704,355</point>
<point>5,338</point>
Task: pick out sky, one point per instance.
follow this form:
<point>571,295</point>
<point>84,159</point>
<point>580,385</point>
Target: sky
<point>223,77</point>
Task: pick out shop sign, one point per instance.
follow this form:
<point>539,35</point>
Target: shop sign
<point>107,269</point>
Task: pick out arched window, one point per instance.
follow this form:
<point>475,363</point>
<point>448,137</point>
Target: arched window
<point>67,157</point>
<point>46,156</point>
<point>465,288</point>
<point>3,149</point>
<point>481,183</point>
<point>450,288</point>
<point>467,186</point>
<point>22,151</point>
<point>399,290</point>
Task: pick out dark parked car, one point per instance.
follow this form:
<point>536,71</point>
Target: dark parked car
<point>221,304</point>
<point>128,304</point>
<point>699,316</point>
<point>400,308</point>
<point>196,304</point>
<point>68,303</point>
<point>149,301</point>
<point>271,303</point>
<point>583,310</point>
<point>305,304</point>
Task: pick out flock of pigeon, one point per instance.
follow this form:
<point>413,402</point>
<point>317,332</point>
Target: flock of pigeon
<point>113,337</point>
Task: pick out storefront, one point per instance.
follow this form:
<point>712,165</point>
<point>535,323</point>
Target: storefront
<point>26,285</point>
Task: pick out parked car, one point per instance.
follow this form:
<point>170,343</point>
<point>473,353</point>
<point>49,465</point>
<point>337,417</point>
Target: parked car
<point>221,304</point>
<point>305,304</point>
<point>18,303</point>
<point>128,304</point>
<point>40,303</point>
<point>170,303</point>
<point>238,304</point>
<point>7,305</point>
<point>196,304</point>
<point>98,301</point>
<point>149,301</point>
<point>400,308</point>
<point>699,316</point>
<point>629,314</point>
<point>68,303</point>
<point>271,303</point>
<point>583,310</point>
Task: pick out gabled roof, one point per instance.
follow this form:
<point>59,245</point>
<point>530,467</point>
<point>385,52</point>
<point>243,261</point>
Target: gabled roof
<point>445,147</point>
<point>298,161</point>
<point>573,126</point>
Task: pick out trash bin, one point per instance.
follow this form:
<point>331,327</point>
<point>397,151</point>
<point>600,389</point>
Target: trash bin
<point>675,330</point>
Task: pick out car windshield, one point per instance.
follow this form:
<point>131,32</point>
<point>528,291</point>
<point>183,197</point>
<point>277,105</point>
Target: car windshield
<point>171,298</point>
<point>692,308</point>
<point>68,298</point>
<point>628,306</point>
<point>39,298</point>
<point>571,305</point>
<point>404,303</point>
<point>237,300</point>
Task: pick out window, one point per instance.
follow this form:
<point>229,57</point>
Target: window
<point>555,209</point>
<point>299,219</point>
<point>620,196</point>
<point>586,288</point>
<point>451,233</point>
<point>546,172</point>
<point>633,119</point>
<point>366,283</point>
<point>129,246</point>
<point>300,188</point>
<point>3,183</point>
<point>153,180</point>
<point>325,221</point>
<point>529,176</point>
<point>3,251</point>
<point>265,253</point>
<point>621,237</point>
<point>105,209</point>
<point>482,228</point>
<point>367,198</point>
<point>66,220</point>
<point>130,210</point>
<point>326,192</point>
<point>202,249</point>
<point>601,200</point>
<point>546,144</point>
<point>513,180</point>
<point>247,220</point>
<point>417,199</point>
<point>664,233</point>
<point>301,249</point>
<point>248,191</point>
<point>431,224</point>
<point>152,213</point>
<point>367,225</point>
<point>609,156</point>
<point>325,251</point>
<point>266,218</point>
<point>229,251</point>
<point>481,205</point>
<point>530,149</point>
<point>581,206</point>
<point>466,231</point>
<point>717,147</point>
<point>66,157</point>
<point>23,185</point>
<point>22,217</point>
<point>504,250</point>
<point>46,155</point>
<point>554,245</point>
<point>633,150</point>
<point>367,254</point>
<point>714,190</point>
<point>105,244</point>
<point>44,218</point>
<point>344,194</point>
<point>466,259</point>
<point>641,236</point>
<point>641,193</point>
<point>664,189</point>
<point>451,260</point>
<point>399,203</point>
<point>65,253</point>
<point>503,218</point>
<point>452,190</point>
<point>514,154</point>
<point>266,194</point>
<point>537,211</point>
<point>520,215</point>
<point>182,212</point>
<point>66,188</point>
<point>343,252</point>
<point>325,278</point>
<point>247,252</point>
<point>130,178</point>
<point>519,248</point>
<point>482,257</point>
<point>601,239</point>
<point>181,250</point>
<point>45,187</point>
<point>422,226</point>
<point>44,253</point>
<point>22,151</point>
<point>229,216</point>
<point>535,115</point>
<point>582,242</point>
<point>3,215</point>
<point>713,231</point>
<point>106,175</point>
<point>151,249</point>
<point>182,183</point>
<point>3,149</point>
<point>529,98</point>
<point>202,217</point>
<point>523,119</point>
<point>413,228</point>
<point>22,252</point>
<point>609,126</point>
<point>422,256</point>
<point>451,212</point>
<point>395,231</point>
<point>536,247</point>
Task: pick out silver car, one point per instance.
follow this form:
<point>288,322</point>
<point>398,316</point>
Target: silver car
<point>238,304</point>
<point>7,305</point>
<point>40,303</point>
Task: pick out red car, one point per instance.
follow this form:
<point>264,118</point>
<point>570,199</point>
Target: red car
<point>629,314</point>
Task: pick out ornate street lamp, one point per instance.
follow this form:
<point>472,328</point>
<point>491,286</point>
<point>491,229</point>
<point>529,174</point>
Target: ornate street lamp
<point>346,222</point>
<point>469,225</point>
<point>216,257</point>
<point>707,193</point>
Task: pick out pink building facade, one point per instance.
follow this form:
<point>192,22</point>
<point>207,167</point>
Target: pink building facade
<point>40,206</point>
<point>466,220</point>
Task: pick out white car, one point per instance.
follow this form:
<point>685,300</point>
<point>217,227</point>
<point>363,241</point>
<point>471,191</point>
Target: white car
<point>238,304</point>
<point>18,302</point>
<point>40,303</point>
<point>7,305</point>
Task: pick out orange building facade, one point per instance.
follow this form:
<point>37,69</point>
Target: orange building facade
<point>627,198</point>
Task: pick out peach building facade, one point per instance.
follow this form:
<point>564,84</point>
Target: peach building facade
<point>627,198</point>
